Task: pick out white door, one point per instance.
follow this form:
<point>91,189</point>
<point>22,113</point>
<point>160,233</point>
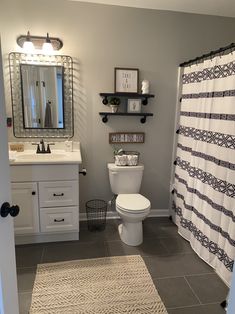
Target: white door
<point>8,285</point>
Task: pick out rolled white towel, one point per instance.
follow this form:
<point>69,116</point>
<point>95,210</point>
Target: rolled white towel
<point>120,160</point>
<point>132,160</point>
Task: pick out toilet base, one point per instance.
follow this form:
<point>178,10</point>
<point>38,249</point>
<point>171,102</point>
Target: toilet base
<point>131,233</point>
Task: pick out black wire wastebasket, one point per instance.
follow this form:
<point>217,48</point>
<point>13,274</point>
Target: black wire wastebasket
<point>96,211</point>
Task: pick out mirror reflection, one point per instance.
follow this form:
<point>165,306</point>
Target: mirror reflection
<point>42,96</point>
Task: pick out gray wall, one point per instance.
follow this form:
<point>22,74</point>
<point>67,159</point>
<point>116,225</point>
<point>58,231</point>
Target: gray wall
<point>100,38</point>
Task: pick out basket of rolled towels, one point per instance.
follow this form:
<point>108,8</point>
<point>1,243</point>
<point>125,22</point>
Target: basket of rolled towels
<point>126,158</point>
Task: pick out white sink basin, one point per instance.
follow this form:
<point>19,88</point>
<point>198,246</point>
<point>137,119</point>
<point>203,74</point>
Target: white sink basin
<point>56,157</point>
<point>34,156</point>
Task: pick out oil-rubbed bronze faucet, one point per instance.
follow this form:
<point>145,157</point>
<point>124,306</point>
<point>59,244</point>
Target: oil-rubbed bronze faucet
<point>42,149</point>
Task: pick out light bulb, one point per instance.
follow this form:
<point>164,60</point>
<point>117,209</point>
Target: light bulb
<point>47,46</point>
<point>28,46</point>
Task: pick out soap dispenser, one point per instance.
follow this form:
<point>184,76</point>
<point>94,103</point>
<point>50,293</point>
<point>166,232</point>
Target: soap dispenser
<point>68,145</point>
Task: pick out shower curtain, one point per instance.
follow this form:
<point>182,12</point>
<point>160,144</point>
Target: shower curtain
<point>204,181</point>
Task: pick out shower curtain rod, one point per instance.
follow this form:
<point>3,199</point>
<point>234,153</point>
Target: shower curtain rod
<point>210,54</point>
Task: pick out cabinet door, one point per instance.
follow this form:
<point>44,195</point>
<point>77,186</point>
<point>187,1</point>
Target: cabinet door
<point>26,196</point>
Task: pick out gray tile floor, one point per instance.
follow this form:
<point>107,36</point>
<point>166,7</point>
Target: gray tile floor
<point>186,284</point>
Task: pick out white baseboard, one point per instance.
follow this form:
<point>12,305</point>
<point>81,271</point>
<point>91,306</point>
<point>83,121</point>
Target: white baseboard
<point>40,238</point>
<point>159,213</point>
<point>114,214</point>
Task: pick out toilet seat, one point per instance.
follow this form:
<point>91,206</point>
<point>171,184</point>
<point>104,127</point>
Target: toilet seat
<point>132,203</point>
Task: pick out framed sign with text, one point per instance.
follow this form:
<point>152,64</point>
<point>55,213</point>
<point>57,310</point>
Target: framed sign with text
<point>126,80</point>
<point>126,137</point>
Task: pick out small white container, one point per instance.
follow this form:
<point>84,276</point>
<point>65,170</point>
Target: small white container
<point>68,146</point>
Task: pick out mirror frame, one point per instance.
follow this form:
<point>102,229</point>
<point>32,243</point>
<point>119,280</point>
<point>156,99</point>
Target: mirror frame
<point>15,60</point>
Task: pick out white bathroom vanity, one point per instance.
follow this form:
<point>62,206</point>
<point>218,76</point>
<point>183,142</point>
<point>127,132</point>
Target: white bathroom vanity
<point>46,188</point>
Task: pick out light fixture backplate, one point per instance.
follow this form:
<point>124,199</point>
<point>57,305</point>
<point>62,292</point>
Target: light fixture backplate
<point>38,41</point>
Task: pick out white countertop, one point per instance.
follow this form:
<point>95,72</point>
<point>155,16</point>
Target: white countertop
<point>58,155</point>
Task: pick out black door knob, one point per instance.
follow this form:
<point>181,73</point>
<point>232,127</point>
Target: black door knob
<point>6,209</point>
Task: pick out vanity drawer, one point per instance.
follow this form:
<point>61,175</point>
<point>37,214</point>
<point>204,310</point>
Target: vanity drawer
<point>60,193</point>
<point>59,219</point>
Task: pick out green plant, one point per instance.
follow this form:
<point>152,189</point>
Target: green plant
<point>117,150</point>
<point>114,101</point>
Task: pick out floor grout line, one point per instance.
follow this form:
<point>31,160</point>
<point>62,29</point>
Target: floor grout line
<point>192,290</point>
<point>183,307</point>
<point>165,246</point>
<point>106,249</point>
<point>26,267</point>
<point>25,292</point>
<point>189,306</point>
<point>202,274</point>
<point>178,276</point>
<point>42,256</point>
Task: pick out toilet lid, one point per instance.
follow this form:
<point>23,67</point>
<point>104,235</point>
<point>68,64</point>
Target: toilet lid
<point>132,202</point>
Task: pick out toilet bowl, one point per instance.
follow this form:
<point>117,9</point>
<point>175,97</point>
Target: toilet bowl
<point>133,209</point>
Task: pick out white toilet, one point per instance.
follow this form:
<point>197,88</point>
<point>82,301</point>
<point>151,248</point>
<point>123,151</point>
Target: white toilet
<point>132,207</point>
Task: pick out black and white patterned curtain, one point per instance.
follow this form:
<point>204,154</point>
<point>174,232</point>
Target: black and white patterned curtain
<point>204,182</point>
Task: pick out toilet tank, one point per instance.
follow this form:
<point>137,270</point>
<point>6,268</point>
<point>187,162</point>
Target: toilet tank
<point>125,179</point>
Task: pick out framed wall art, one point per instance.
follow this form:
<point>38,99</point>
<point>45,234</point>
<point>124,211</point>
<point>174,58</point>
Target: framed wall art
<point>126,80</point>
<point>134,105</point>
<point>126,137</point>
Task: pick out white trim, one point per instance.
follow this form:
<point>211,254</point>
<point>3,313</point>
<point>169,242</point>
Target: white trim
<point>159,213</point>
<point>114,214</point>
<point>46,237</point>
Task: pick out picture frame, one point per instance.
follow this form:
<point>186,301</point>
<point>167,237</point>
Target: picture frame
<point>126,80</point>
<point>134,105</point>
<point>126,137</point>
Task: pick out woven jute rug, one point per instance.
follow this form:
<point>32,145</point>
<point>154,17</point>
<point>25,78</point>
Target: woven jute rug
<point>109,285</point>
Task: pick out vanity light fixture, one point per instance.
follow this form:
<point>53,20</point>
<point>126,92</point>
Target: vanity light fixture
<point>28,45</point>
<point>39,41</point>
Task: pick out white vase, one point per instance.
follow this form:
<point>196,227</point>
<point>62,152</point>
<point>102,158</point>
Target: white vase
<point>114,108</point>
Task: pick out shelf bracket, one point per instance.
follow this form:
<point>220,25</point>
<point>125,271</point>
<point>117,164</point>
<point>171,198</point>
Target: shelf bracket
<point>143,119</point>
<point>145,101</point>
<point>105,118</point>
<point>105,100</point>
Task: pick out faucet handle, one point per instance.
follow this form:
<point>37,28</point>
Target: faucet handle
<point>48,147</point>
<point>38,148</point>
